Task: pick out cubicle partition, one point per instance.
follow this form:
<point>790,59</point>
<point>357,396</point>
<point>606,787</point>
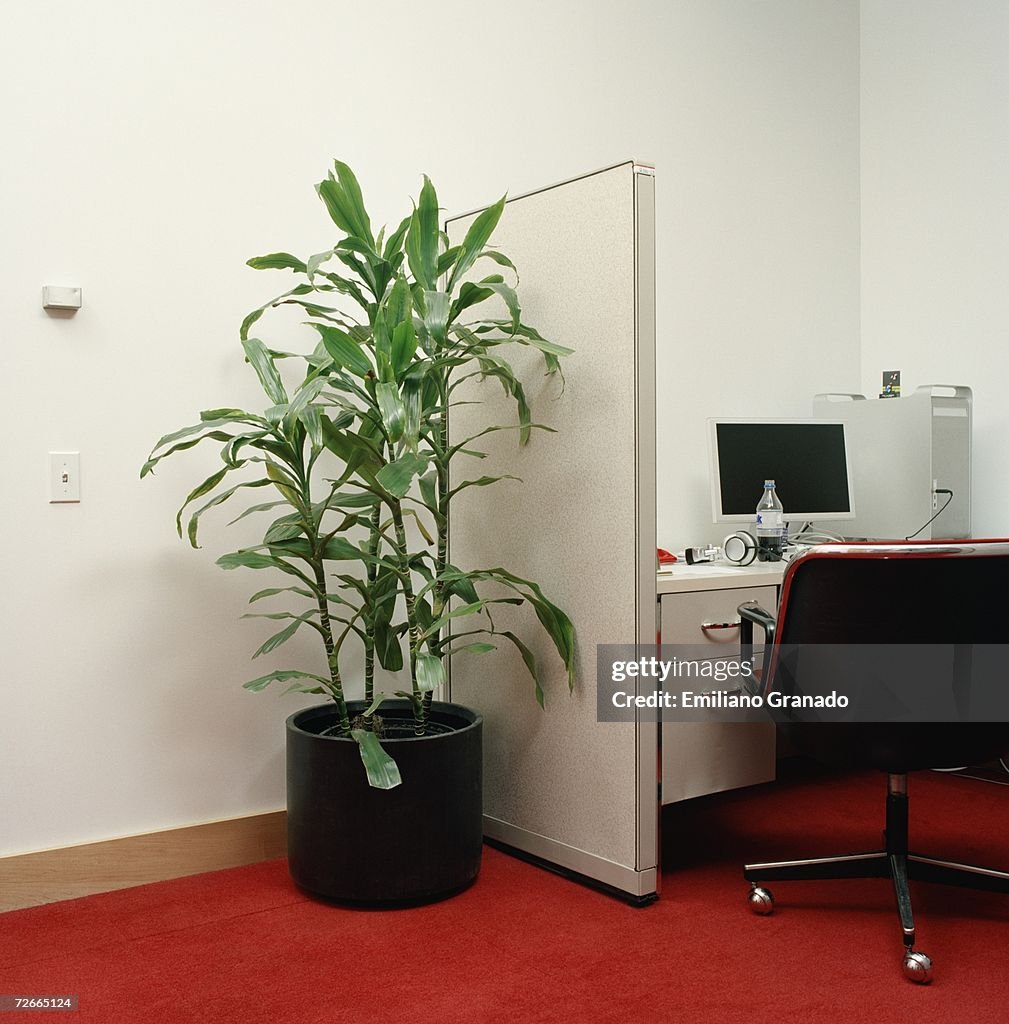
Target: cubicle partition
<point>559,785</point>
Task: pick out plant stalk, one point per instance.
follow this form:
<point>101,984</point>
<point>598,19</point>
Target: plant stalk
<point>374,541</point>
<point>402,552</point>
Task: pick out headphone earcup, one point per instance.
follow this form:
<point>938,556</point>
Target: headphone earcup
<point>740,547</point>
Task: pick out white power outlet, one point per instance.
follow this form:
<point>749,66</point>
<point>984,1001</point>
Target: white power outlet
<point>64,477</point>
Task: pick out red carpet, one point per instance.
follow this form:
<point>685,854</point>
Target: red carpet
<point>526,945</point>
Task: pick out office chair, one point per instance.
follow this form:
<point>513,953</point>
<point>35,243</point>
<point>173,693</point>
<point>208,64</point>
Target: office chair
<point>895,626</point>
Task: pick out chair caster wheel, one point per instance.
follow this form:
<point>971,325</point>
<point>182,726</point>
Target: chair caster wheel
<point>918,967</point>
<point>761,900</point>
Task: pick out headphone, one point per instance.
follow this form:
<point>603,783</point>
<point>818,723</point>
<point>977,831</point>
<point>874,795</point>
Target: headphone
<point>739,547</point>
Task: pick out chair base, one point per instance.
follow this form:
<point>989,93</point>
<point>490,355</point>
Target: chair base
<point>901,868</point>
<point>895,862</point>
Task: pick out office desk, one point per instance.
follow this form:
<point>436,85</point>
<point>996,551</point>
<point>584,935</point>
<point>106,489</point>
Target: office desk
<point>698,607</point>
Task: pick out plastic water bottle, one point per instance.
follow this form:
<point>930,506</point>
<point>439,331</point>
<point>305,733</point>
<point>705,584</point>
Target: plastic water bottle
<point>770,525</point>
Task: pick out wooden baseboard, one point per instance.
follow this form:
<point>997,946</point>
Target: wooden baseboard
<point>30,879</point>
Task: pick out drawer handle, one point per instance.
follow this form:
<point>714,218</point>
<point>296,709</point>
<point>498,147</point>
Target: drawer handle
<point>710,626</point>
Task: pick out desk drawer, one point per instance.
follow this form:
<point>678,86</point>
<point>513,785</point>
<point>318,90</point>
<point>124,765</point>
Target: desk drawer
<point>711,756</point>
<point>684,617</point>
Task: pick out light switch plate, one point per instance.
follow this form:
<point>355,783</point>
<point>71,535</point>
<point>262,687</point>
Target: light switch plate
<point>64,477</point>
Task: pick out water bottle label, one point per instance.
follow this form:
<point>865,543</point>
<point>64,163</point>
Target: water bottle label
<point>770,522</point>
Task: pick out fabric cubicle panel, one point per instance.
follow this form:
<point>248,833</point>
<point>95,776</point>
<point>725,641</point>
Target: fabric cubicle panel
<point>559,784</point>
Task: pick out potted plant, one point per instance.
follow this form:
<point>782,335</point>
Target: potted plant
<point>355,459</point>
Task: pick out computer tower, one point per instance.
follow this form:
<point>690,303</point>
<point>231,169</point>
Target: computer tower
<point>905,454</point>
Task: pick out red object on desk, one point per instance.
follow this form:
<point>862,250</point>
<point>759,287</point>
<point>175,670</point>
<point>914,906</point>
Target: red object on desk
<point>665,557</point>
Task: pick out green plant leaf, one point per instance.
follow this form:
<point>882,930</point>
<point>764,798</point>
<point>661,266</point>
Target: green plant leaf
<point>502,371</point>
<point>283,636</point>
<point>218,499</point>
<point>529,660</point>
<point>282,676</point>
<point>469,295</point>
<point>343,200</point>
<point>352,189</point>
<point>216,435</point>
<point>252,509</point>
<point>273,591</point>
<point>424,237</point>
<point>556,623</point>
<point>399,305</point>
<point>311,416</point>
<point>436,311</point>
<point>478,648</point>
<point>458,584</point>
<point>248,560</point>
<point>500,259</point>
<point>305,395</point>
<point>345,352</point>
<point>283,481</point>
<point>476,238</point>
<point>316,261</point>
<point>203,425</point>
<point>382,770</point>
<point>421,527</point>
<point>345,499</point>
<point>430,672</point>
<point>482,481</point>
<point>429,489</point>
<point>392,409</point>
<point>398,476</point>
<point>382,598</point>
<point>285,528</point>
<point>262,362</point>
<point>355,452</point>
<point>447,259</point>
<point>301,289</point>
<point>388,648</point>
<point>395,243</point>
<point>276,261</point>
<point>339,550</point>
<point>375,705</point>
<point>511,299</point>
<point>197,492</point>
<point>404,345</point>
<point>434,625</point>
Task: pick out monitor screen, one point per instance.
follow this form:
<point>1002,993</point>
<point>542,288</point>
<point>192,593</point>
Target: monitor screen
<point>805,458</point>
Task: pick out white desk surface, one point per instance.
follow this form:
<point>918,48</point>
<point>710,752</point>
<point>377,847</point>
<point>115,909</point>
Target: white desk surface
<point>681,578</point>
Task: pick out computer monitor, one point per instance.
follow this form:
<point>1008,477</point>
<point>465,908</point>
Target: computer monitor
<point>806,459</point>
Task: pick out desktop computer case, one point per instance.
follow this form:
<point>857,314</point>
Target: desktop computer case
<point>902,451</point>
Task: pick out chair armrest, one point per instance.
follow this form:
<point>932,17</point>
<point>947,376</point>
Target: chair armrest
<point>751,614</point>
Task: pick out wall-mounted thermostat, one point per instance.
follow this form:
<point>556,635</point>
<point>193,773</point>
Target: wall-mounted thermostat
<point>55,297</point>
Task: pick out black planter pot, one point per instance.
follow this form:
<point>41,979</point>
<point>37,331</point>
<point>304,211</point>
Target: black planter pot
<point>417,843</point>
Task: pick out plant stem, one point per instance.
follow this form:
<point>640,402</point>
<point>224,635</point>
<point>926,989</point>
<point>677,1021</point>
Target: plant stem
<point>369,641</point>
<point>403,555</point>
<point>441,523</point>
<point>316,543</point>
<point>332,655</point>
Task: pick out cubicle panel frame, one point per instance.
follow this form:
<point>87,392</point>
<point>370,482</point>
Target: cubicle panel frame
<point>592,809</point>
<point>648,734</point>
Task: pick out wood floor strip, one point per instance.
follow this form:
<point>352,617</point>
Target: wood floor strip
<point>31,879</point>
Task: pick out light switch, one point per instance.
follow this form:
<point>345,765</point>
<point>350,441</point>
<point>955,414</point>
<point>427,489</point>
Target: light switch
<point>64,477</point>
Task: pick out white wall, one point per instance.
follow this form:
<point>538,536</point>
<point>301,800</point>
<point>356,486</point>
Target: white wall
<point>935,214</point>
<point>758,231</point>
<point>149,149</point>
